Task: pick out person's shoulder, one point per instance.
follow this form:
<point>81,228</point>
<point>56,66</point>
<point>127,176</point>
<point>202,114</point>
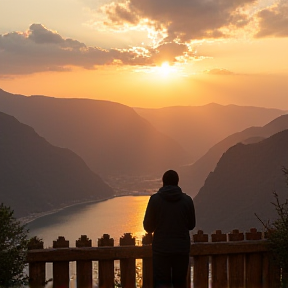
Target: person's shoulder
<point>187,197</point>
<point>153,201</point>
<point>154,196</point>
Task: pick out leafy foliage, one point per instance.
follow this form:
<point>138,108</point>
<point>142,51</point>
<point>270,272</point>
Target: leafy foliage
<point>277,232</point>
<point>13,249</point>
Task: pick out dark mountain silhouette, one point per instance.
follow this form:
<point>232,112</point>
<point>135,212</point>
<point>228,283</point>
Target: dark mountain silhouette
<point>36,176</point>
<point>193,176</point>
<point>252,140</point>
<point>198,128</point>
<point>111,138</point>
<point>242,184</point>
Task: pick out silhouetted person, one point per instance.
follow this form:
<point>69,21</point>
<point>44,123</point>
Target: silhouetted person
<point>170,215</point>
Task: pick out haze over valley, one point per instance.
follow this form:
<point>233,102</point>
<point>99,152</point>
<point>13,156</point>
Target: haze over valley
<point>59,152</point>
<point>201,168</point>
<point>38,177</point>
<point>198,128</point>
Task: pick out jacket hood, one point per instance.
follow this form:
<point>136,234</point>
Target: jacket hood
<point>170,193</point>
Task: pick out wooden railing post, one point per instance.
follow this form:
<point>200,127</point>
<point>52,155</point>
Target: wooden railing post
<point>106,267</point>
<point>61,268</point>
<point>147,264</point>
<point>36,269</point>
<point>253,262</point>
<point>188,276</point>
<point>249,263</point>
<point>127,266</point>
<point>219,263</point>
<point>271,271</point>
<point>236,263</point>
<point>201,264</point>
<point>84,268</point>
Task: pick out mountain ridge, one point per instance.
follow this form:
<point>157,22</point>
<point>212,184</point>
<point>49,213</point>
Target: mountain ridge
<point>242,184</point>
<point>198,128</point>
<point>111,137</point>
<point>193,176</point>
<point>36,176</point>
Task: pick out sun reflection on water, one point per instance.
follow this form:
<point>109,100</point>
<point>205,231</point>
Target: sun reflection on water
<point>114,217</point>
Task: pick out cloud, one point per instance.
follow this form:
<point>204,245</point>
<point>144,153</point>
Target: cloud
<point>40,49</point>
<point>119,13</point>
<point>39,34</point>
<point>170,52</point>
<point>182,20</point>
<point>273,21</point>
<point>218,71</point>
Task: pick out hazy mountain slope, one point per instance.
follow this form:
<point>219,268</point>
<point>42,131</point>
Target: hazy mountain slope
<point>112,138</point>
<point>36,176</point>
<point>198,128</point>
<point>193,176</point>
<point>242,184</point>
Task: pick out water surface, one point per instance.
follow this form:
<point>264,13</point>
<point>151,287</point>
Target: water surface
<point>114,217</point>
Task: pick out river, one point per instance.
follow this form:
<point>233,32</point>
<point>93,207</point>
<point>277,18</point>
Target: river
<point>114,217</point>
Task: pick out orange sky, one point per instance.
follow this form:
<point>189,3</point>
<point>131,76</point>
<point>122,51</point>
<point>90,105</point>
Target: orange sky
<point>230,52</point>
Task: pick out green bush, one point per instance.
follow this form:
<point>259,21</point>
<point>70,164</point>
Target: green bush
<point>277,233</point>
<point>13,249</point>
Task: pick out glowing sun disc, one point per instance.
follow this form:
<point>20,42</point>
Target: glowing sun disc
<point>165,69</point>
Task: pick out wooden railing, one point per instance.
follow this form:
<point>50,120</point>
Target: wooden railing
<point>234,260</point>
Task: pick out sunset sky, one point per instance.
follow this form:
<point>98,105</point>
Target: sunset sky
<point>147,53</point>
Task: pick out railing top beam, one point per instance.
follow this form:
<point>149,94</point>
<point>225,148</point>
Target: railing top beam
<point>140,252</point>
<point>220,248</point>
<point>89,253</point>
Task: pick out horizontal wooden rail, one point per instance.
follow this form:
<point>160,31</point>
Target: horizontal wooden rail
<point>139,252</point>
<point>209,249</point>
<point>92,253</point>
<point>234,260</point>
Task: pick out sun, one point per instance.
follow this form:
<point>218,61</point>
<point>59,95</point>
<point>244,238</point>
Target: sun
<point>165,69</point>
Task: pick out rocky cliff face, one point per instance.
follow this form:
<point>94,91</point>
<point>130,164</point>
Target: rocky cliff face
<point>193,176</point>
<point>36,176</point>
<point>242,185</point>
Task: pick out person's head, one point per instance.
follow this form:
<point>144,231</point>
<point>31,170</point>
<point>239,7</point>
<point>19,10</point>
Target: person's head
<point>170,177</point>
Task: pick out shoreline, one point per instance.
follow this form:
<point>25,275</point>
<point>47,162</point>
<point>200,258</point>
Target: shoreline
<point>32,217</point>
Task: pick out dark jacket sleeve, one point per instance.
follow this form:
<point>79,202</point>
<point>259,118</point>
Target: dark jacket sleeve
<point>191,215</point>
<point>149,222</point>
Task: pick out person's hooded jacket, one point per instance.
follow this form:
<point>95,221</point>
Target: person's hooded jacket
<point>170,215</point>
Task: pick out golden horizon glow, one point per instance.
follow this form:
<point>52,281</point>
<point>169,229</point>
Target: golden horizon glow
<point>137,60</point>
<point>165,69</point>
